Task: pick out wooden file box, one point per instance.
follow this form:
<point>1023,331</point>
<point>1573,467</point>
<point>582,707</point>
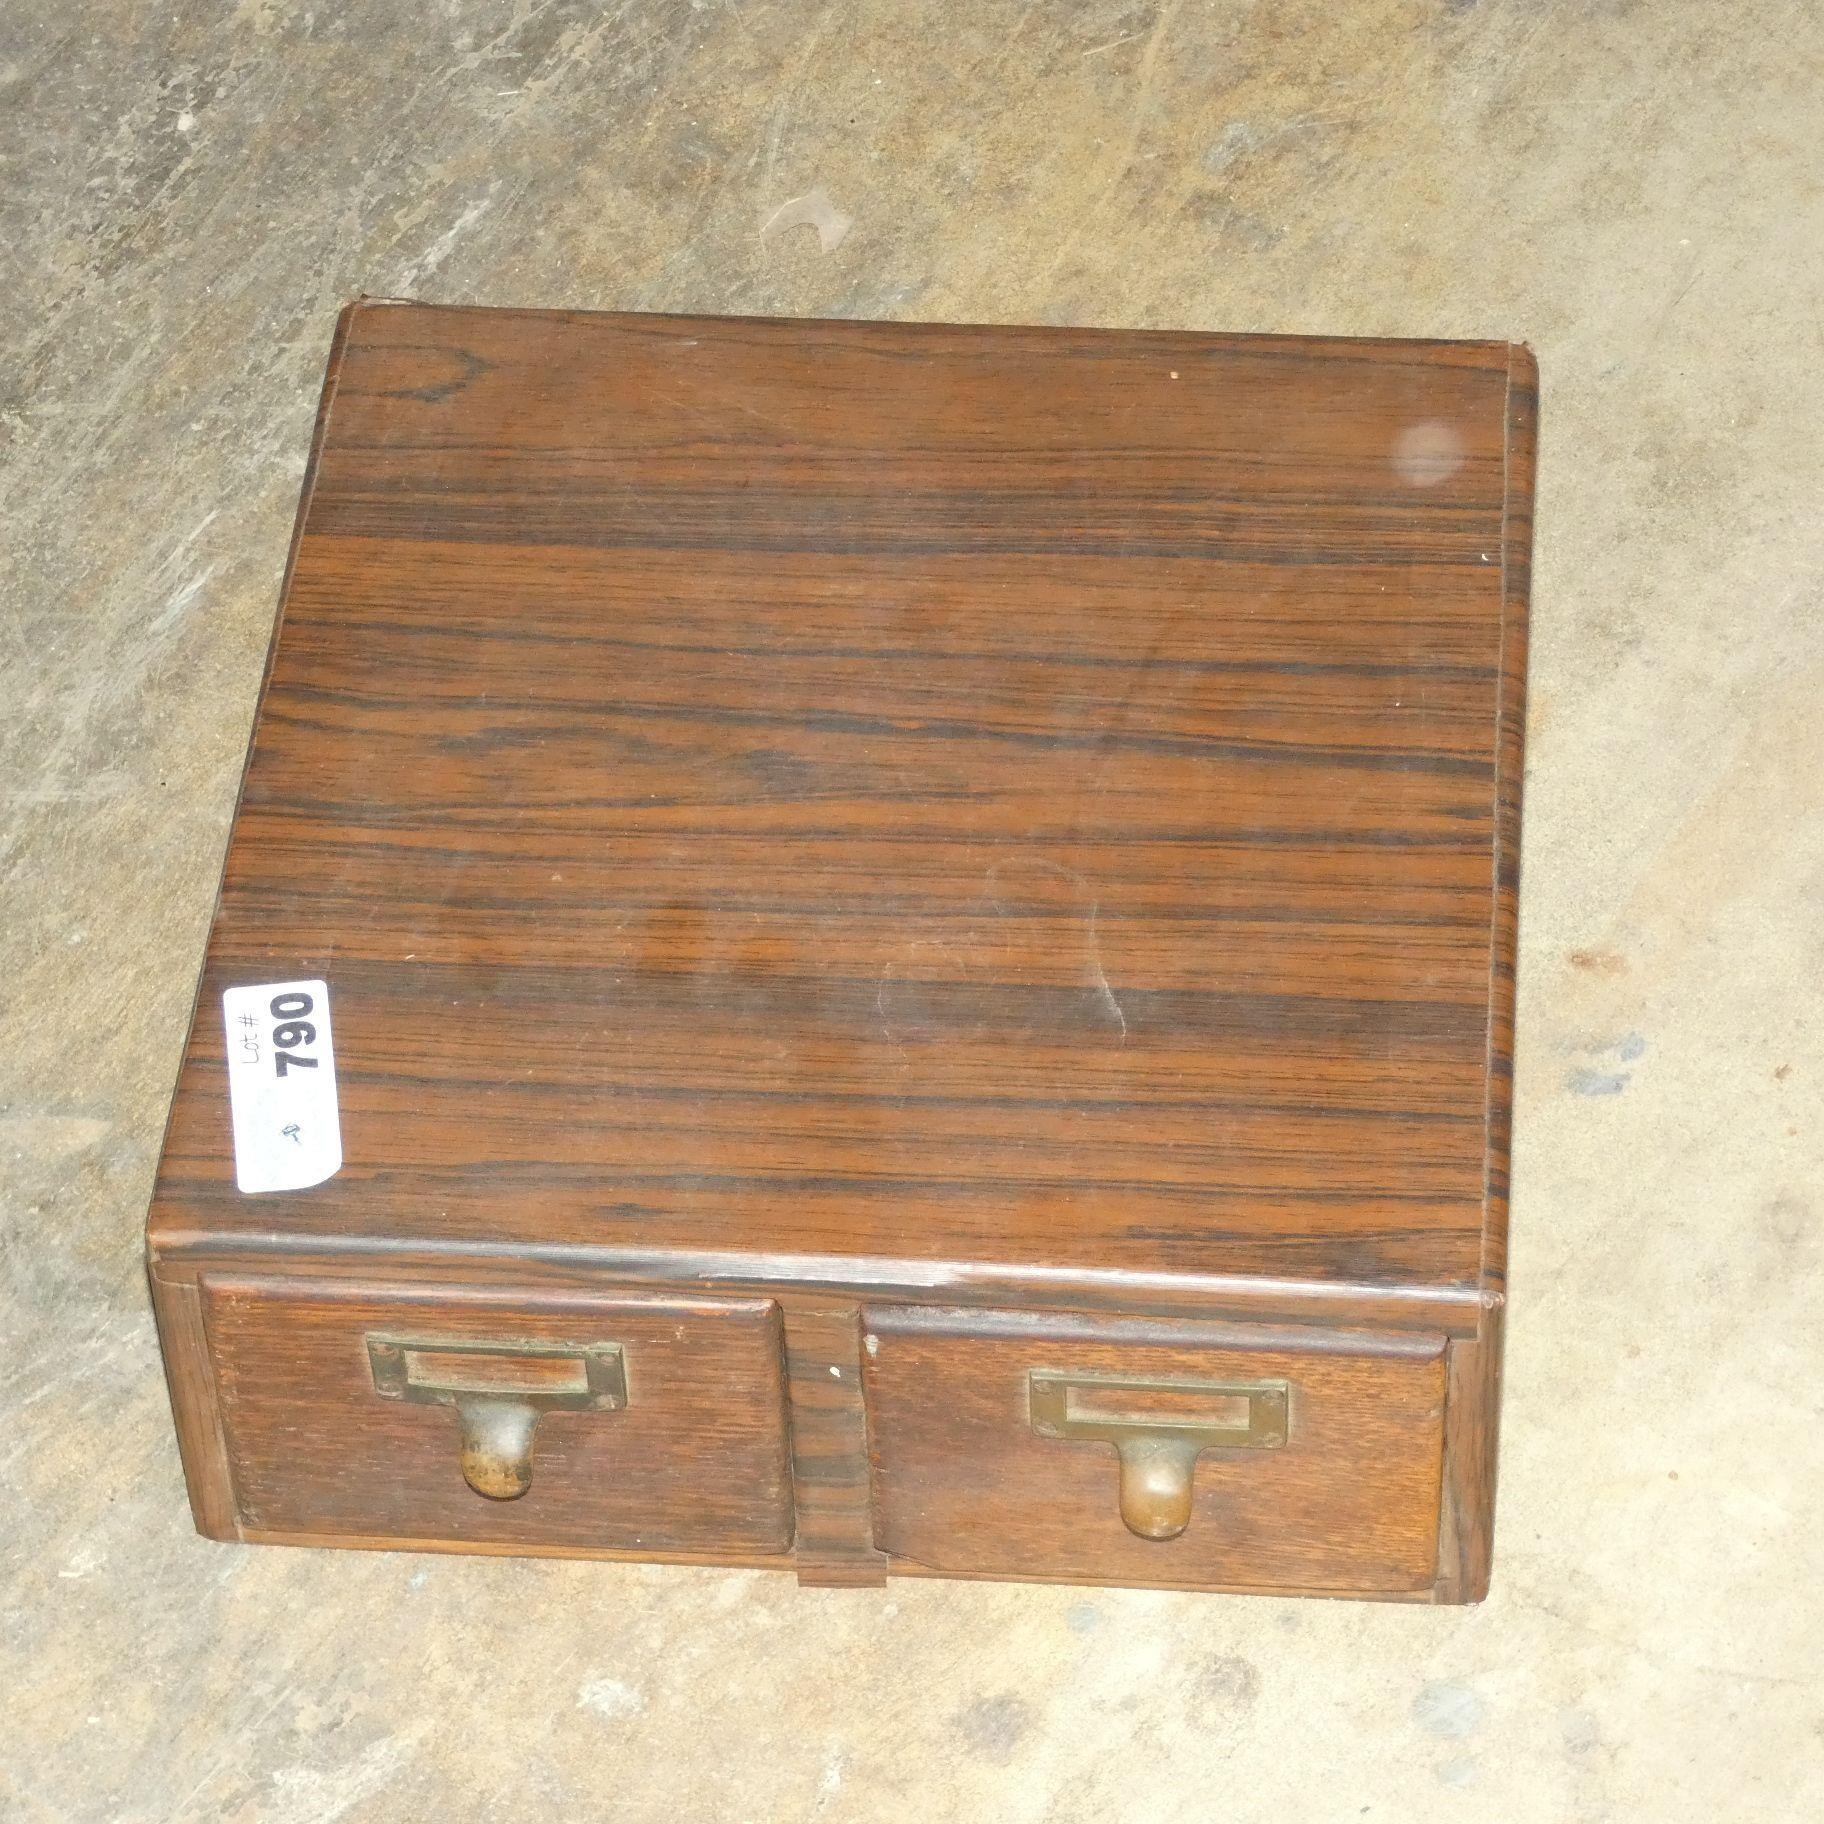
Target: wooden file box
<point>871,948</point>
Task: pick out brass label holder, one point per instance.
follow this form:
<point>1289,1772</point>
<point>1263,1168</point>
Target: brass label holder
<point>500,1390</point>
<point>1159,1428</point>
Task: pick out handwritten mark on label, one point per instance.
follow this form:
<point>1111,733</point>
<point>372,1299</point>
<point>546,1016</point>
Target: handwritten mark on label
<point>282,1086</point>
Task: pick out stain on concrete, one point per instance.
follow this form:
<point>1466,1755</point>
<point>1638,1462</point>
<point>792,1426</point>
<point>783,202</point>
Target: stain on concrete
<point>1577,1729</point>
<point>1787,1240</point>
<point>1586,1082</point>
<point>1229,1680</point>
<point>1599,962</point>
<point>609,1697</point>
<point>1448,1709</point>
<point>1601,1078</point>
<point>812,210</point>
<point>994,1727</point>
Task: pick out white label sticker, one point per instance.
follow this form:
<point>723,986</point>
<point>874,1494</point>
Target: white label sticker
<point>282,1086</point>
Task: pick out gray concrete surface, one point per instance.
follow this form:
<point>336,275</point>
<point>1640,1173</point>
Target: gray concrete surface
<point>191,190</point>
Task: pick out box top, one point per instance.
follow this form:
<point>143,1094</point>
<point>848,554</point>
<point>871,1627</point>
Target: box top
<point>895,804</point>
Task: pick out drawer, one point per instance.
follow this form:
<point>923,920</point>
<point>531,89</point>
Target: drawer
<point>1206,1456</point>
<point>580,1422</point>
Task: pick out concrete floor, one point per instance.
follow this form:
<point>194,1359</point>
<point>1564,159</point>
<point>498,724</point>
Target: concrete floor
<point>1632,188</point>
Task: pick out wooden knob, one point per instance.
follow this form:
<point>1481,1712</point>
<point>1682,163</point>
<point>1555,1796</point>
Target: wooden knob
<point>1156,1475</point>
<point>497,1445</point>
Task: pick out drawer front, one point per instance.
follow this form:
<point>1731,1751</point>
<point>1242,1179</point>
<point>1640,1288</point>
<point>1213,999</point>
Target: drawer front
<point>1197,1455</point>
<point>574,1421</point>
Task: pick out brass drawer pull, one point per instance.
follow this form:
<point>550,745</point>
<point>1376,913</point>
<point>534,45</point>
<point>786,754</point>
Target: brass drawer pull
<point>1158,1429</point>
<point>500,1392</point>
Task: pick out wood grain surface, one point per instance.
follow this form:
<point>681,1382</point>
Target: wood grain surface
<point>834,1542</point>
<point>965,1484</point>
<point>791,797</point>
<point>696,1460</point>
